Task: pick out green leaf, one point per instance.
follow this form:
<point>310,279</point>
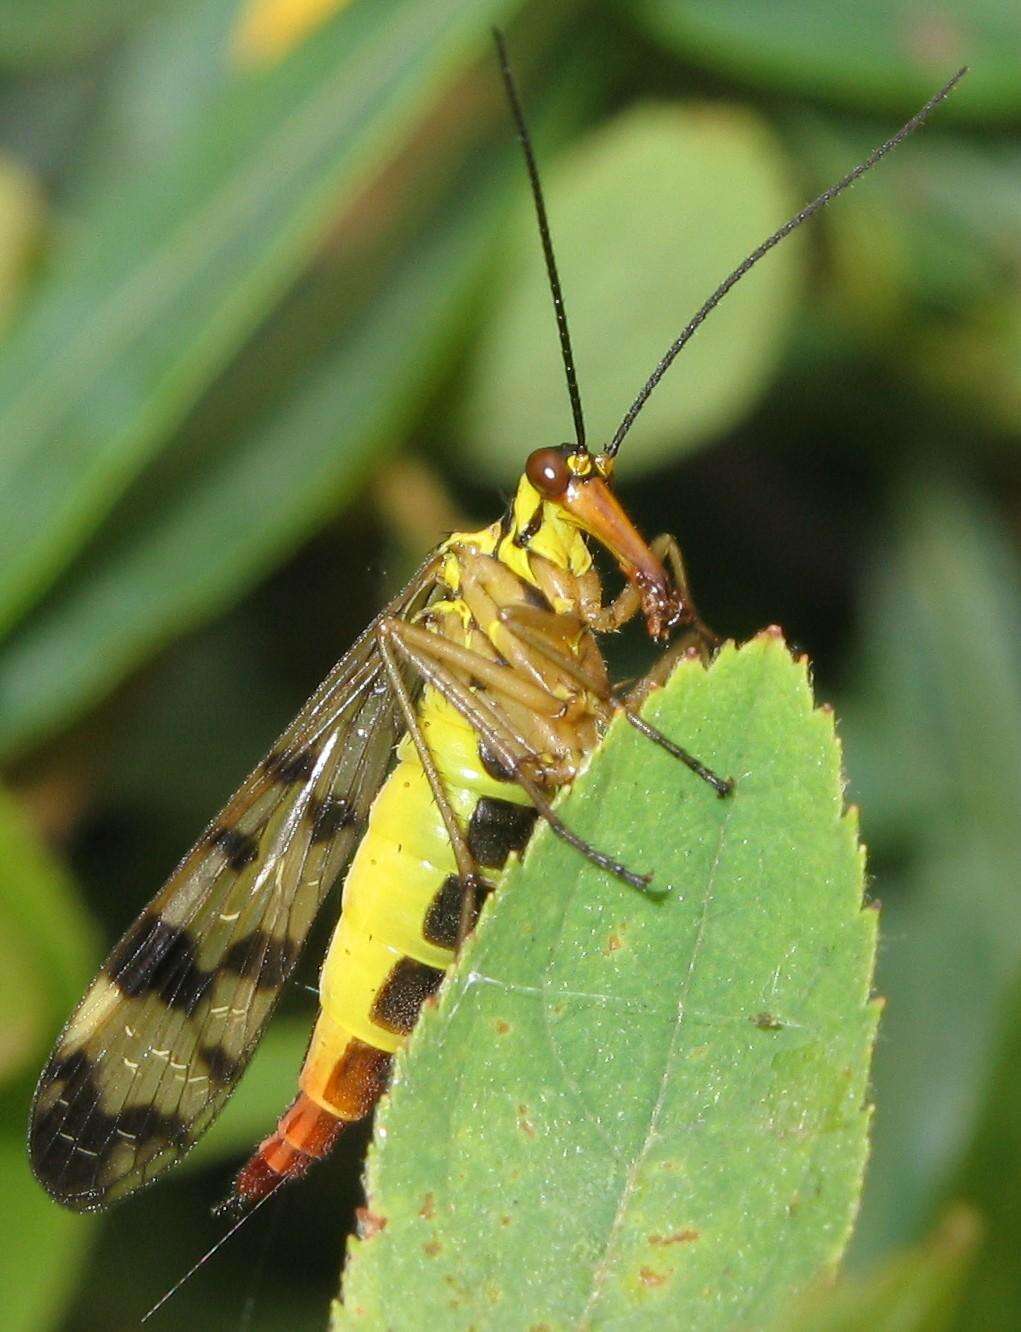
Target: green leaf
<point>169,274</point>
<point>873,54</point>
<point>918,246</point>
<point>48,31</point>
<point>916,1291</point>
<point>47,943</point>
<point>43,1247</point>
<point>649,214</point>
<point>941,703</point>
<point>21,219</point>
<point>47,950</point>
<point>644,1109</point>
<point>993,1294</point>
<point>190,545</point>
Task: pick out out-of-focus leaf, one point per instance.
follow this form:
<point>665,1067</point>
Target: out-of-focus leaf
<point>266,30</point>
<point>42,1246</point>
<point>993,1294</point>
<point>47,949</point>
<point>917,1291</point>
<point>161,85</point>
<point>932,231</point>
<point>644,1110</point>
<point>21,216</point>
<point>649,214</point>
<point>167,276</point>
<point>47,945</point>
<point>219,523</point>
<point>874,54</point>
<point>45,31</point>
<point>923,258</point>
<point>977,363</point>
<point>940,674</point>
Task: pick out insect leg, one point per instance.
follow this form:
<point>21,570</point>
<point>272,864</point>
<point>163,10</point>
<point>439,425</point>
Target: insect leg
<point>488,673</point>
<point>628,602</point>
<point>525,623</point>
<point>541,630</point>
<point>721,785</point>
<point>668,549</point>
<point>494,731</point>
<point>467,870</point>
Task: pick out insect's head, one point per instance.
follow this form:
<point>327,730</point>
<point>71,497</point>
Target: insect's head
<point>573,488</point>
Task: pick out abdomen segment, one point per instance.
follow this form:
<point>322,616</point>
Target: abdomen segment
<point>395,939</point>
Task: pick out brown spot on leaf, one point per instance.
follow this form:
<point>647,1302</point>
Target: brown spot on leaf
<point>432,1248</point>
<point>650,1278</point>
<point>428,1208</point>
<point>369,1224</point>
<point>684,1236</point>
<point>524,1123</point>
<point>502,1027</point>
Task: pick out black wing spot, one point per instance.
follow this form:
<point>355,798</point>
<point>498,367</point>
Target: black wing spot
<point>402,994</point>
<point>150,1127</point>
<point>66,1068</point>
<point>158,958</point>
<point>72,1138</point>
<point>262,958</point>
<point>224,1068</point>
<point>328,816</point>
<point>239,849</point>
<point>497,828</point>
<point>288,766</point>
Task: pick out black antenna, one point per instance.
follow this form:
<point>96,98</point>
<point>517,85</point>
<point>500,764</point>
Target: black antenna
<point>790,225</point>
<point>544,233</point>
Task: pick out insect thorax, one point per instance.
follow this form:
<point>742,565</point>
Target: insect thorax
<point>532,534</point>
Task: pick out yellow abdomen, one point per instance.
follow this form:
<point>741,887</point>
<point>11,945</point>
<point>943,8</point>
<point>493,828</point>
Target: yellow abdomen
<point>401,905</point>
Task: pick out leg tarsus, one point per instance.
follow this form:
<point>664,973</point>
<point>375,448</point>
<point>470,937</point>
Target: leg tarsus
<point>723,786</point>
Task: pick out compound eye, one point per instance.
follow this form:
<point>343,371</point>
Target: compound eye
<point>548,472</point>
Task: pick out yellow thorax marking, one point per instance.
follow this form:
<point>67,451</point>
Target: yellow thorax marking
<point>557,539</point>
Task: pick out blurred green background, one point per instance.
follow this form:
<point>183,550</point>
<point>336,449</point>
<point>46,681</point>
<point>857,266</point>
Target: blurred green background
<point>273,317</point>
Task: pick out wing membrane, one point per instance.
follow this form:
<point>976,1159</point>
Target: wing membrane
<point>161,1037</point>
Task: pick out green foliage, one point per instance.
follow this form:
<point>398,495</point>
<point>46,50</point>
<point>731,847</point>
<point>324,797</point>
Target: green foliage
<point>948,753</point>
<point>918,1291</point>
<point>46,957</point>
<point>166,279</point>
<point>645,1108</point>
<point>188,542</point>
<point>61,30</point>
<point>880,52</point>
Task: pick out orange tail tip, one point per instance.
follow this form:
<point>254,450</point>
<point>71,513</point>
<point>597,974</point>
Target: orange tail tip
<point>306,1133</point>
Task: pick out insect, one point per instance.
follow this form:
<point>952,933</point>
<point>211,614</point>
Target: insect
<point>418,766</point>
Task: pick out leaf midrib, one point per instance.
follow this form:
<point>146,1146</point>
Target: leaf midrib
<point>601,1268</point>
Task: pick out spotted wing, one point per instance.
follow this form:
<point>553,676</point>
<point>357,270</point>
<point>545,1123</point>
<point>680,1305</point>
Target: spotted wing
<point>155,1048</point>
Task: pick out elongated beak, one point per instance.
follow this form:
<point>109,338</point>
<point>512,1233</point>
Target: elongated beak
<point>593,506</point>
